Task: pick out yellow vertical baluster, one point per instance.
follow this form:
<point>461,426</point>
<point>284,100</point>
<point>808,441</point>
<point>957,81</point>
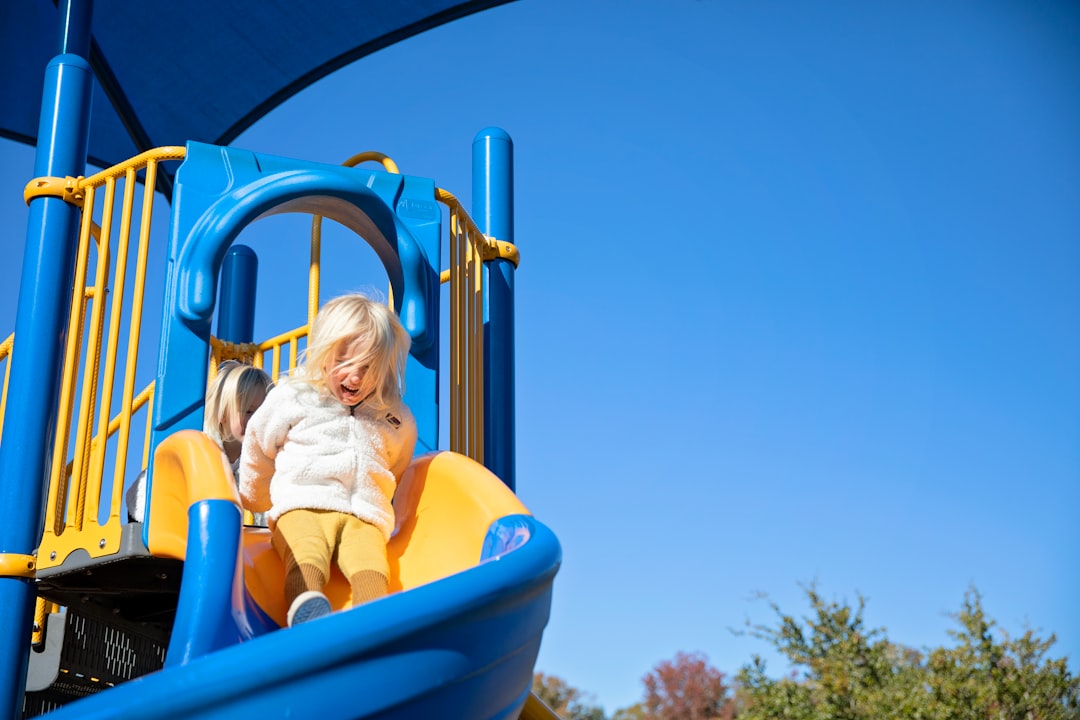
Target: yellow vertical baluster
<point>149,423</point>
<point>134,327</point>
<point>476,389</point>
<point>313,269</point>
<point>91,371</point>
<point>457,310</point>
<point>58,479</point>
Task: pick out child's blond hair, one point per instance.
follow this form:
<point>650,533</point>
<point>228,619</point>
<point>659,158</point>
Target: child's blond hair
<point>228,394</point>
<point>351,317</point>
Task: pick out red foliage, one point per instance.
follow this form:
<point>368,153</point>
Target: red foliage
<point>687,688</point>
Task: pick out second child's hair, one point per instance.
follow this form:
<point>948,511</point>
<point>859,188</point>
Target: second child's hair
<point>350,317</point>
<point>229,393</point>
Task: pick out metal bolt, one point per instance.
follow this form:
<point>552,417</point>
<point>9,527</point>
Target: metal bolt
<point>102,544</point>
<point>52,555</point>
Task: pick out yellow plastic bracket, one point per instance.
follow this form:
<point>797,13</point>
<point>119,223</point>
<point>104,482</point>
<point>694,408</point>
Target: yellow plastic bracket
<point>500,250</point>
<point>68,189</point>
<point>15,565</point>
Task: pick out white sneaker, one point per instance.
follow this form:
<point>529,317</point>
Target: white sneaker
<point>308,605</point>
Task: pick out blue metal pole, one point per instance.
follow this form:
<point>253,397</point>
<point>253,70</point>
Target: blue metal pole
<point>40,330</point>
<point>493,210</point>
<point>236,314</point>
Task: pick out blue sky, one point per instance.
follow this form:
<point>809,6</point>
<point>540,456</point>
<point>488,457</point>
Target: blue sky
<point>798,301</point>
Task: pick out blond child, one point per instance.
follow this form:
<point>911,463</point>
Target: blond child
<point>326,450</point>
<point>231,398</point>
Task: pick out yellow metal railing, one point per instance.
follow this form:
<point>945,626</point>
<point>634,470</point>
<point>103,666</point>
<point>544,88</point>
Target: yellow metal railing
<point>467,332</point>
<point>277,355</point>
<point>469,250</point>
<point>89,435</point>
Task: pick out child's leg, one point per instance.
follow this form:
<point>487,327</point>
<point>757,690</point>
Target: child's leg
<point>362,559</point>
<point>304,540</point>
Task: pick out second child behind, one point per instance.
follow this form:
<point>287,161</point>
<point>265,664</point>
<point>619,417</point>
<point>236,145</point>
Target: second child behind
<point>325,452</point>
<point>231,399</point>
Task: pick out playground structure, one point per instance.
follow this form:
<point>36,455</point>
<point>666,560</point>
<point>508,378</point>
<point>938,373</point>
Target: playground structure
<point>182,613</point>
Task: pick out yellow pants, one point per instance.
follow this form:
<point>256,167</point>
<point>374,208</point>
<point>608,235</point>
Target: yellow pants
<point>308,540</point>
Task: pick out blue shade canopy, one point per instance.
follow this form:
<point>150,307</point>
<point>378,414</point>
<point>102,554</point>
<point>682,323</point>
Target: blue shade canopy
<point>169,71</point>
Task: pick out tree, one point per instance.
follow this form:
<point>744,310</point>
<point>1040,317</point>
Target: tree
<point>1012,679</point>
<point>567,702</point>
<point>687,688</point>
<point>846,671</point>
<point>634,712</point>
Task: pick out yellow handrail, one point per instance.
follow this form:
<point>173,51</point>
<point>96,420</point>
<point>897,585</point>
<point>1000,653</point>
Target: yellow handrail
<point>469,250</point>
<point>72,189</point>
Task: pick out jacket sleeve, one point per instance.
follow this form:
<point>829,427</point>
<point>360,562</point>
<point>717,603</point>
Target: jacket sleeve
<point>265,434</point>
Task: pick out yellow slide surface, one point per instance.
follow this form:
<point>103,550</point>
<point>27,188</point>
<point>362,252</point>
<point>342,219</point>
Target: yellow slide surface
<point>444,506</point>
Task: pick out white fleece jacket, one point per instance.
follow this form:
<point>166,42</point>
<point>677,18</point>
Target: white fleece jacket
<point>304,449</point>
